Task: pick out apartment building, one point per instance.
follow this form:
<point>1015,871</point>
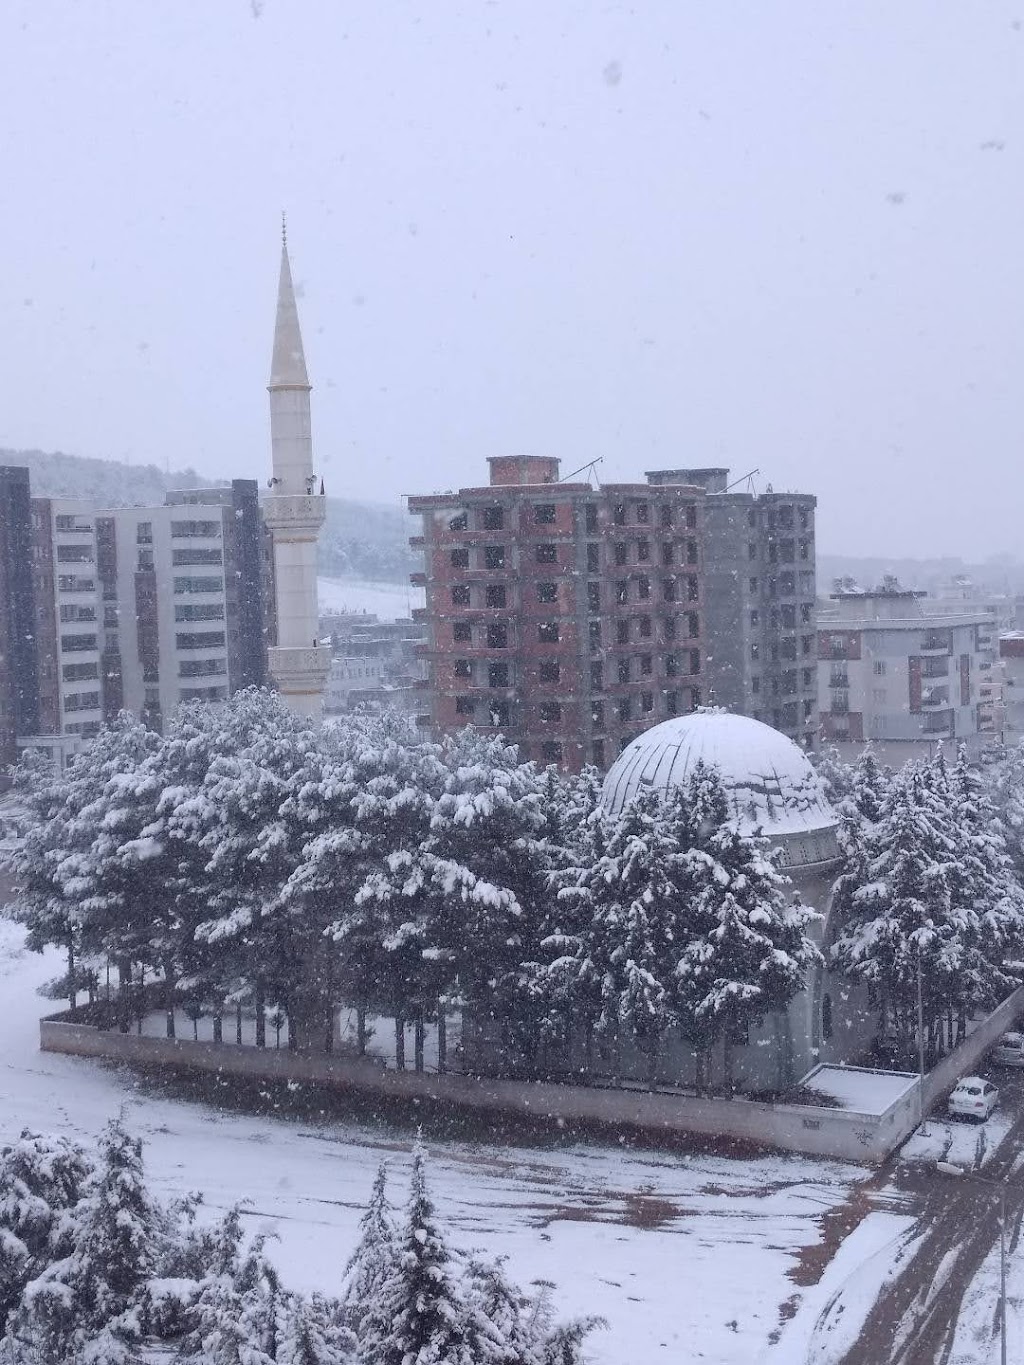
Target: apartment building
<point>895,673</point>
<point>564,617</point>
<point>184,588</point>
<point>19,655</point>
<point>760,602</point>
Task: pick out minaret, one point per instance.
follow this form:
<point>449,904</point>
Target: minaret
<point>294,512</point>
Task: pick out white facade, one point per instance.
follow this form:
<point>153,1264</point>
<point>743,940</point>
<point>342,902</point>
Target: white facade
<point>901,677</point>
<point>350,673</point>
<point>78,613</point>
<point>294,513</point>
<point>172,605</point>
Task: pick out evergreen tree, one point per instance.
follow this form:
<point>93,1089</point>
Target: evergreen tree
<point>419,1317</point>
<point>500,1329</point>
<point>308,1334</point>
<point>373,1260</point>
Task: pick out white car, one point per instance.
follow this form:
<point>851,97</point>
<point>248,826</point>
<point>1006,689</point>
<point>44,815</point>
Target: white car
<point>973,1098</point>
<point>1009,1051</point>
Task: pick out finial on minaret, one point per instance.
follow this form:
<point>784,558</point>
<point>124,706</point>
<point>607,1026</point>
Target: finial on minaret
<point>288,366</point>
<point>284,229</point>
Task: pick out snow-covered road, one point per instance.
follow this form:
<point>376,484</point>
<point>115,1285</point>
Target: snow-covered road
<point>687,1257</point>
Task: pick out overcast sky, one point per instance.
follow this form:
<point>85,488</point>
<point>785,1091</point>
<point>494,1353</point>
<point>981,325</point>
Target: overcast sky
<point>783,233</point>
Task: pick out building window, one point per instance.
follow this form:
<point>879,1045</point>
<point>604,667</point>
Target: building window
<point>668,554</point>
<point>597,750</point>
<point>460,595</point>
<point>878,668</point>
<point>620,552</point>
<point>643,587</point>
<point>464,706</point>
<point>692,589</point>
<point>494,595</point>
<point>550,671</point>
<point>198,584</point>
<point>694,660</point>
<point>499,713</point>
<point>547,592</point>
<point>544,513</point>
<point>494,556</point>
<point>145,563</point>
<point>696,698</point>
<point>550,712</point>
<point>807,677</point>
<point>494,518</point>
<point>691,552</point>
<point>666,514</point>
<point>805,518</point>
<point>643,513</point>
<point>645,627</point>
<point>593,597</point>
<point>597,677</point>
<point>691,516</point>
<point>548,632</point>
<point>755,619</point>
<point>806,644</point>
<point>497,675</point>
<point>144,533</point>
<point>497,635</point>
<point>546,554</point>
<point>619,514</point>
<point>671,703</point>
<point>551,751</point>
<point>590,517</point>
<point>595,634</point>
<point>623,667</point>
<point>788,617</point>
<point>597,715</point>
<point>668,589</point>
<point>751,549</point>
<point>460,558</point>
<point>643,551</point>
<point>593,558</point>
<point>625,710</point>
<point>458,522</point>
<point>752,584</point>
<point>671,665</point>
<point>462,632</point>
<point>755,684</point>
<point>622,632</point>
<point>647,701</point>
<point>669,628</point>
<point>646,665</point>
<point>463,668</point>
<point>621,591</point>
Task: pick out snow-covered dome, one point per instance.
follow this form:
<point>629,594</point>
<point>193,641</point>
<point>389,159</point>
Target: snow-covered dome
<point>768,779</point>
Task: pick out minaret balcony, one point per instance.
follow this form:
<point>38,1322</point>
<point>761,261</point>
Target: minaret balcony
<point>303,669</point>
<point>298,515</point>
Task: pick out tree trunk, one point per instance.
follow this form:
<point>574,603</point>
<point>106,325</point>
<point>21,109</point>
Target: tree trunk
<point>361,1030</point>
<point>169,1001</point>
<point>72,993</point>
<point>218,1027</point>
<point>238,1023</point>
<point>124,996</point>
<point>442,1041</point>
<point>329,1034</point>
<point>261,1015</point>
<point>419,1035</point>
<point>293,1031</point>
<point>399,1044</point>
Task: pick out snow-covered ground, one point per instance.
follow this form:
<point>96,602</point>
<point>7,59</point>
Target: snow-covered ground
<point>389,601</point>
<point>686,1256</point>
<point>961,1143</point>
<point>859,1088</point>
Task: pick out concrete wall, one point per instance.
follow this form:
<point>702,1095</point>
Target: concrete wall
<point>816,1131</point>
<point>963,1059</point>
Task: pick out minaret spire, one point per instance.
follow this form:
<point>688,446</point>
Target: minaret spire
<point>293,511</point>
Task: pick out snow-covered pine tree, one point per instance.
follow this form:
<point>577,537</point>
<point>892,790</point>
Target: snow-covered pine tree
<point>500,1328</point>
<point>618,970</point>
<point>373,1260</point>
<point>309,1333</point>
<point>41,1182</point>
<point>419,1317</point>
<point>744,952</point>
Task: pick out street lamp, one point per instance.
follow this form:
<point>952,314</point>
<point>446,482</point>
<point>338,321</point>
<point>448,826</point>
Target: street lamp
<point>948,1168</point>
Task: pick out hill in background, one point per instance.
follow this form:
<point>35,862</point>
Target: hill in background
<point>360,540</point>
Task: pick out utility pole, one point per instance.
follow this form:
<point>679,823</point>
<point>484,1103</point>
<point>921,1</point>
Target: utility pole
<point>920,1042</point>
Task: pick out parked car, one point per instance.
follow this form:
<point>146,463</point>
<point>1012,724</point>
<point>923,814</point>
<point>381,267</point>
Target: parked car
<point>973,1098</point>
<point>1009,1051</point>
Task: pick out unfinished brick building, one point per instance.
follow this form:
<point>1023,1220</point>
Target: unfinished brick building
<point>566,618</point>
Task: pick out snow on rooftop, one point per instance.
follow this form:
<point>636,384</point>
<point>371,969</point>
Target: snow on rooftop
<point>859,1088</point>
<point>770,782</point>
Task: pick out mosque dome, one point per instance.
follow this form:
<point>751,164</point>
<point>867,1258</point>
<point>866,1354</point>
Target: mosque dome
<point>769,781</point>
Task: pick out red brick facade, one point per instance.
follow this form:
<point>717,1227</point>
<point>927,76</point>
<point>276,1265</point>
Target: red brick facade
<point>565,617</point>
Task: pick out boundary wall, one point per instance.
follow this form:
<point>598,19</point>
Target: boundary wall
<point>813,1130</point>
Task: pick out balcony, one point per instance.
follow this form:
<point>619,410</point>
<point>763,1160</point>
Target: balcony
<point>935,699</point>
<point>839,678</point>
<point>935,668</point>
<point>935,645</point>
<point>418,579</point>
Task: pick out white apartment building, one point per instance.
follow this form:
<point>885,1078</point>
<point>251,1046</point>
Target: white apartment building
<point>183,590</point>
<point>895,674</point>
<point>70,617</point>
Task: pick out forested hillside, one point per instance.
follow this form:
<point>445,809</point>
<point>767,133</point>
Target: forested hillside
<point>360,540</point>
